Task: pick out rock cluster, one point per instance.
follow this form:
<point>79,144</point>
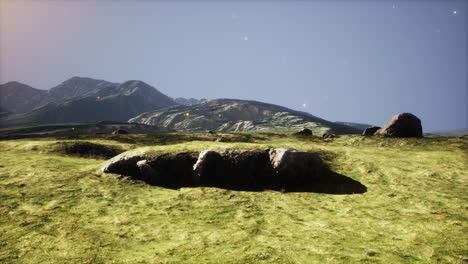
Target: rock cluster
<point>278,168</point>
<point>401,125</point>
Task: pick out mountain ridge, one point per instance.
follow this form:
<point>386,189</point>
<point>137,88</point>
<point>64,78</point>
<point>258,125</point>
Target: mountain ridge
<point>235,115</point>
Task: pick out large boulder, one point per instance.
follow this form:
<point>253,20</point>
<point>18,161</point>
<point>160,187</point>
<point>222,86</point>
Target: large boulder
<point>370,131</point>
<point>402,125</point>
<point>295,167</point>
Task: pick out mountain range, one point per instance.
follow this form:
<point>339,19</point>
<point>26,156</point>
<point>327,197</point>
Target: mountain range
<point>81,99</point>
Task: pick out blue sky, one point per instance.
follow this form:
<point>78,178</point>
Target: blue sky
<point>357,61</point>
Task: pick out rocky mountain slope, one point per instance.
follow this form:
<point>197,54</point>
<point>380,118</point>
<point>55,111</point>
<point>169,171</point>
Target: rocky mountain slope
<point>239,115</point>
<point>91,100</point>
<point>16,97</point>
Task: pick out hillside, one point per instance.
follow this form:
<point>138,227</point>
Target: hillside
<point>56,207</point>
<point>108,102</point>
<point>239,115</point>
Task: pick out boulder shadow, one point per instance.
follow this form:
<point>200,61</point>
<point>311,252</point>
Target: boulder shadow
<point>334,183</point>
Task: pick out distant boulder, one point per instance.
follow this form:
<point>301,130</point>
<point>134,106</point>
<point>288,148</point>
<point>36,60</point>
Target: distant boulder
<point>402,125</point>
<point>119,132</point>
<point>222,139</point>
<point>305,132</point>
<point>370,130</point>
<point>327,135</point>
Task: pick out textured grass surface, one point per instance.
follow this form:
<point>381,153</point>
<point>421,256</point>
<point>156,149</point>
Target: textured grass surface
<point>60,209</point>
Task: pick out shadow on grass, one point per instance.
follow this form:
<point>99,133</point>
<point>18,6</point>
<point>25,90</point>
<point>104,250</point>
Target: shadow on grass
<point>334,184</point>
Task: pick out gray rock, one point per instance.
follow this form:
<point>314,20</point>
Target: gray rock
<point>402,125</point>
<point>295,167</point>
<point>370,131</point>
<point>125,165</point>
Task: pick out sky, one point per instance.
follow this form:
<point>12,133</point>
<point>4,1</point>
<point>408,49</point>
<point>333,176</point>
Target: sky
<point>355,61</point>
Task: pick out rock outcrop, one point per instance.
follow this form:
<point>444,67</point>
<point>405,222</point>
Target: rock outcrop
<point>273,168</point>
<point>402,125</point>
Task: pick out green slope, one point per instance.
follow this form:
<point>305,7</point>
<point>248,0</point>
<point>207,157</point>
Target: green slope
<point>61,209</point>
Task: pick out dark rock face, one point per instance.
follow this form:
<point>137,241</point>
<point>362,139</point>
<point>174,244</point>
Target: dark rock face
<point>305,132</point>
<point>370,131</point>
<point>402,125</point>
<point>222,139</point>
<point>169,169</point>
<point>276,169</point>
<point>119,132</point>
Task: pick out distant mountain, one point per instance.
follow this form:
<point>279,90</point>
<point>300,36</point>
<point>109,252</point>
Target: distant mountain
<point>78,87</point>
<point>16,97</point>
<point>88,100</point>
<point>355,125</point>
<point>448,133</point>
<point>231,115</point>
<point>189,101</point>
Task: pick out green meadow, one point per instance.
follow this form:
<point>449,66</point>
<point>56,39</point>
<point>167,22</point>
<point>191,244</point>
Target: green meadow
<point>58,207</point>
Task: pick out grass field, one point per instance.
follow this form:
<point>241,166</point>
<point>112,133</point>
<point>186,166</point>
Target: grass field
<point>57,208</point>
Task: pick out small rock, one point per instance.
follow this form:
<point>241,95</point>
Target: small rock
<point>370,131</point>
<point>123,165</point>
<point>326,135</point>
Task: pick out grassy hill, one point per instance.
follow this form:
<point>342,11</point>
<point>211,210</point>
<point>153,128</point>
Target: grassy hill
<point>59,208</point>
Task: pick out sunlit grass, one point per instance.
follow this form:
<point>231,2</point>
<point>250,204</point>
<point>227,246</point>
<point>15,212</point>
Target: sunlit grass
<point>60,209</point>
